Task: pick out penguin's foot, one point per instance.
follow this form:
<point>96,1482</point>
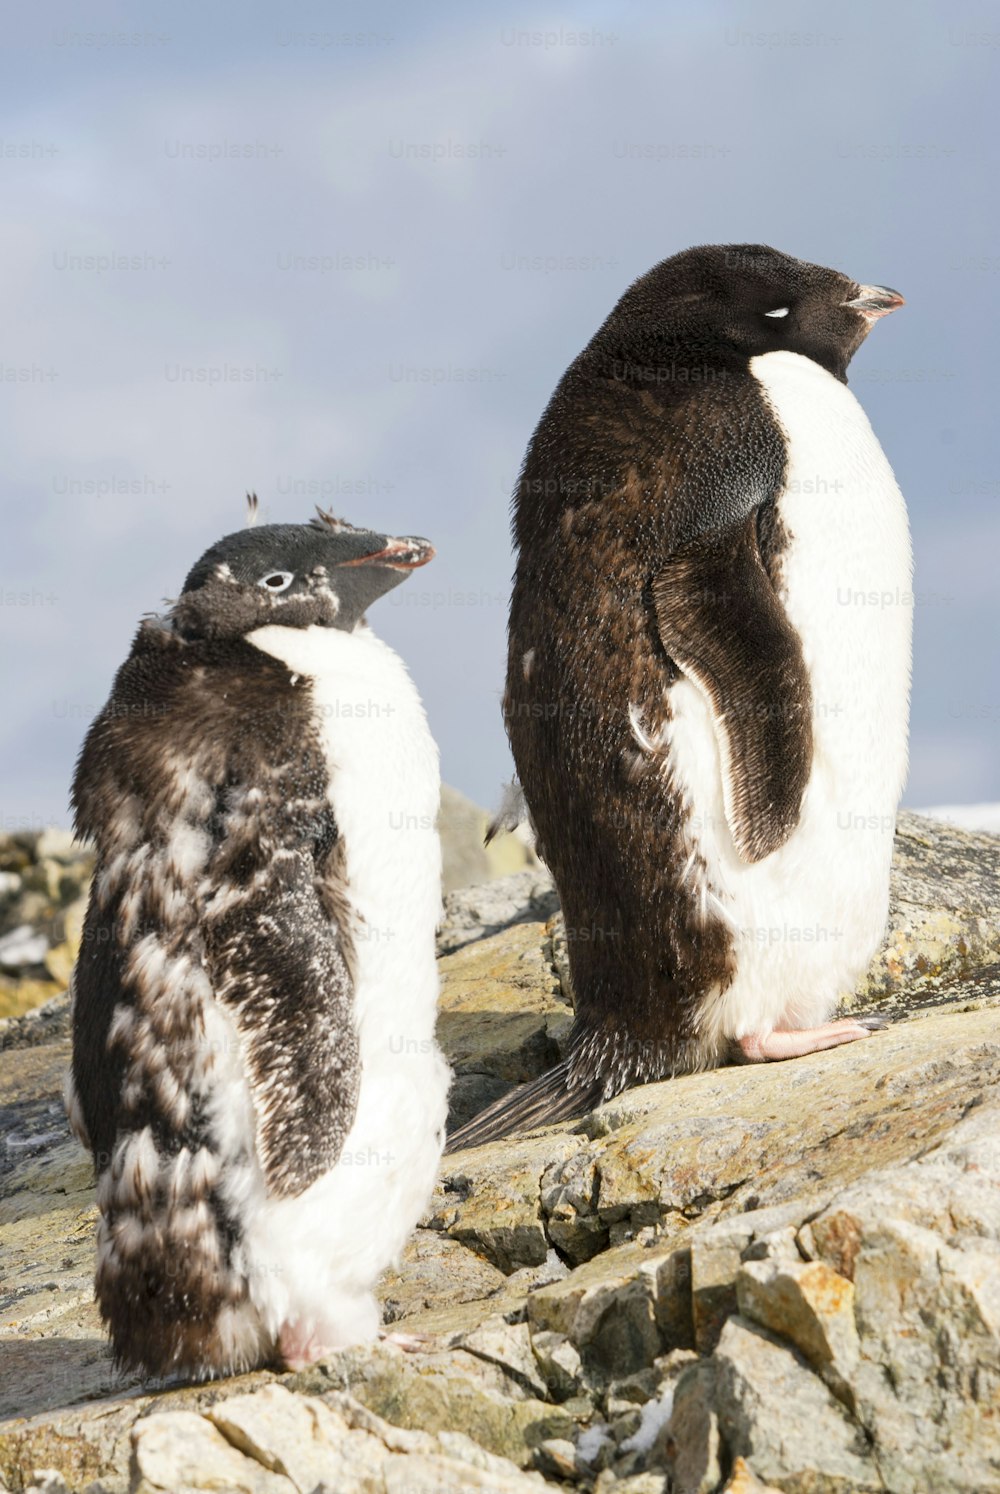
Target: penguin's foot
<point>347,1318</point>
<point>410,1343</point>
<point>300,1347</point>
<point>765,1047</point>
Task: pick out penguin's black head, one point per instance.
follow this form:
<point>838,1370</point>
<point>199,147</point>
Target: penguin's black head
<point>753,299</point>
<point>296,575</point>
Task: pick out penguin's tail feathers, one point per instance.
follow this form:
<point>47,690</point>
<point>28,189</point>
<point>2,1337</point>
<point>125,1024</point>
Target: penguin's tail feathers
<point>513,812</point>
<point>540,1102</point>
<point>170,1291</point>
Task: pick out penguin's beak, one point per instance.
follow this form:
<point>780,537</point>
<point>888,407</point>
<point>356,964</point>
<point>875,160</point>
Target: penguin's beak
<point>874,301</point>
<point>399,554</point>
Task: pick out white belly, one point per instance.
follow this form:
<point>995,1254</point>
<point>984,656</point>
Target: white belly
<point>317,1256</point>
<point>807,920</point>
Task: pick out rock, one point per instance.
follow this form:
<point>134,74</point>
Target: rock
<point>742,1481</point>
<point>89,1447</point>
<point>274,1442</point>
<point>943,924</point>
<point>46,1023</point>
<point>727,1141</point>
<point>810,1305</point>
<point>642,1483</point>
<point>15,850</point>
<point>296,1436</point>
<point>568,1195</point>
<point>22,947</point>
<point>921,1242</point>
<point>595,1447</point>
<point>477,912</point>
<point>502,1015</point>
<point>60,845</point>
<point>633,1390</point>
<point>499,1215</point>
<point>436,1271</point>
<point>556,1456</point>
<point>442,1391</point>
<point>915,1360</point>
<point>716,1257</point>
<point>651,1418</point>
<point>509,1346</point>
<point>21,995</point>
<point>43,888</point>
<point>693,1443</point>
<point>558,1360</point>
<point>626,1427</point>
<point>47,1481</point>
<point>59,960</point>
<point>783,1420</point>
<point>608,1316</point>
<point>180,1451</point>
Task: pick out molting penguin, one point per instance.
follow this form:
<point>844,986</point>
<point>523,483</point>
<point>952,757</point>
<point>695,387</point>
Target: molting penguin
<point>707,712</point>
<point>254,1064</point>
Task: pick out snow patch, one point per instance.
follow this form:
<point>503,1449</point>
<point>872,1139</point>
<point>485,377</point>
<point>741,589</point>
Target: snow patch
<point>655,1415</point>
<point>591,1441</point>
<point>966,816</point>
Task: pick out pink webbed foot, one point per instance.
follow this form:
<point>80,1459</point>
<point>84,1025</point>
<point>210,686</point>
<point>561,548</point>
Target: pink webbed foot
<point>299,1349</point>
<point>301,1346</point>
<point>410,1343</point>
<point>767,1047</point>
<point>347,1317</point>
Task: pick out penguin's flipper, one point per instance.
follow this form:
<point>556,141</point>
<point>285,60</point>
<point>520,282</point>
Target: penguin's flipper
<point>721,622</point>
<point>299,1056</point>
<point>540,1102</point>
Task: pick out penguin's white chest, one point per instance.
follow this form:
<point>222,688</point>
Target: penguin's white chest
<point>328,1245</point>
<point>807,919</point>
<point>847,579</point>
<point>384,789</point>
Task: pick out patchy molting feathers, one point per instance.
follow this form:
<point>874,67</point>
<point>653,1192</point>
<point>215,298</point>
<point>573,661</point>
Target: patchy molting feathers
<point>326,520</point>
<point>642,737</point>
<point>211,1160</point>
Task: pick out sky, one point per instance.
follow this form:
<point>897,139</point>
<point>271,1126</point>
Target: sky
<point>343,255</point>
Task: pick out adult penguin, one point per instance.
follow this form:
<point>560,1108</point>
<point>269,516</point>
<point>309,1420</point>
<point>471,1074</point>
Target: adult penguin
<point>708,677</point>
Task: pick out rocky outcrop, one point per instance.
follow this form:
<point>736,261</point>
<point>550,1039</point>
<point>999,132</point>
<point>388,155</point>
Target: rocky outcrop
<point>272,1441</point>
<point>779,1277</point>
<point>43,896</point>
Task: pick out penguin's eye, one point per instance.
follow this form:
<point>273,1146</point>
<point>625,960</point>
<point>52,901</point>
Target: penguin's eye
<point>276,580</point>
<point>778,311</point>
